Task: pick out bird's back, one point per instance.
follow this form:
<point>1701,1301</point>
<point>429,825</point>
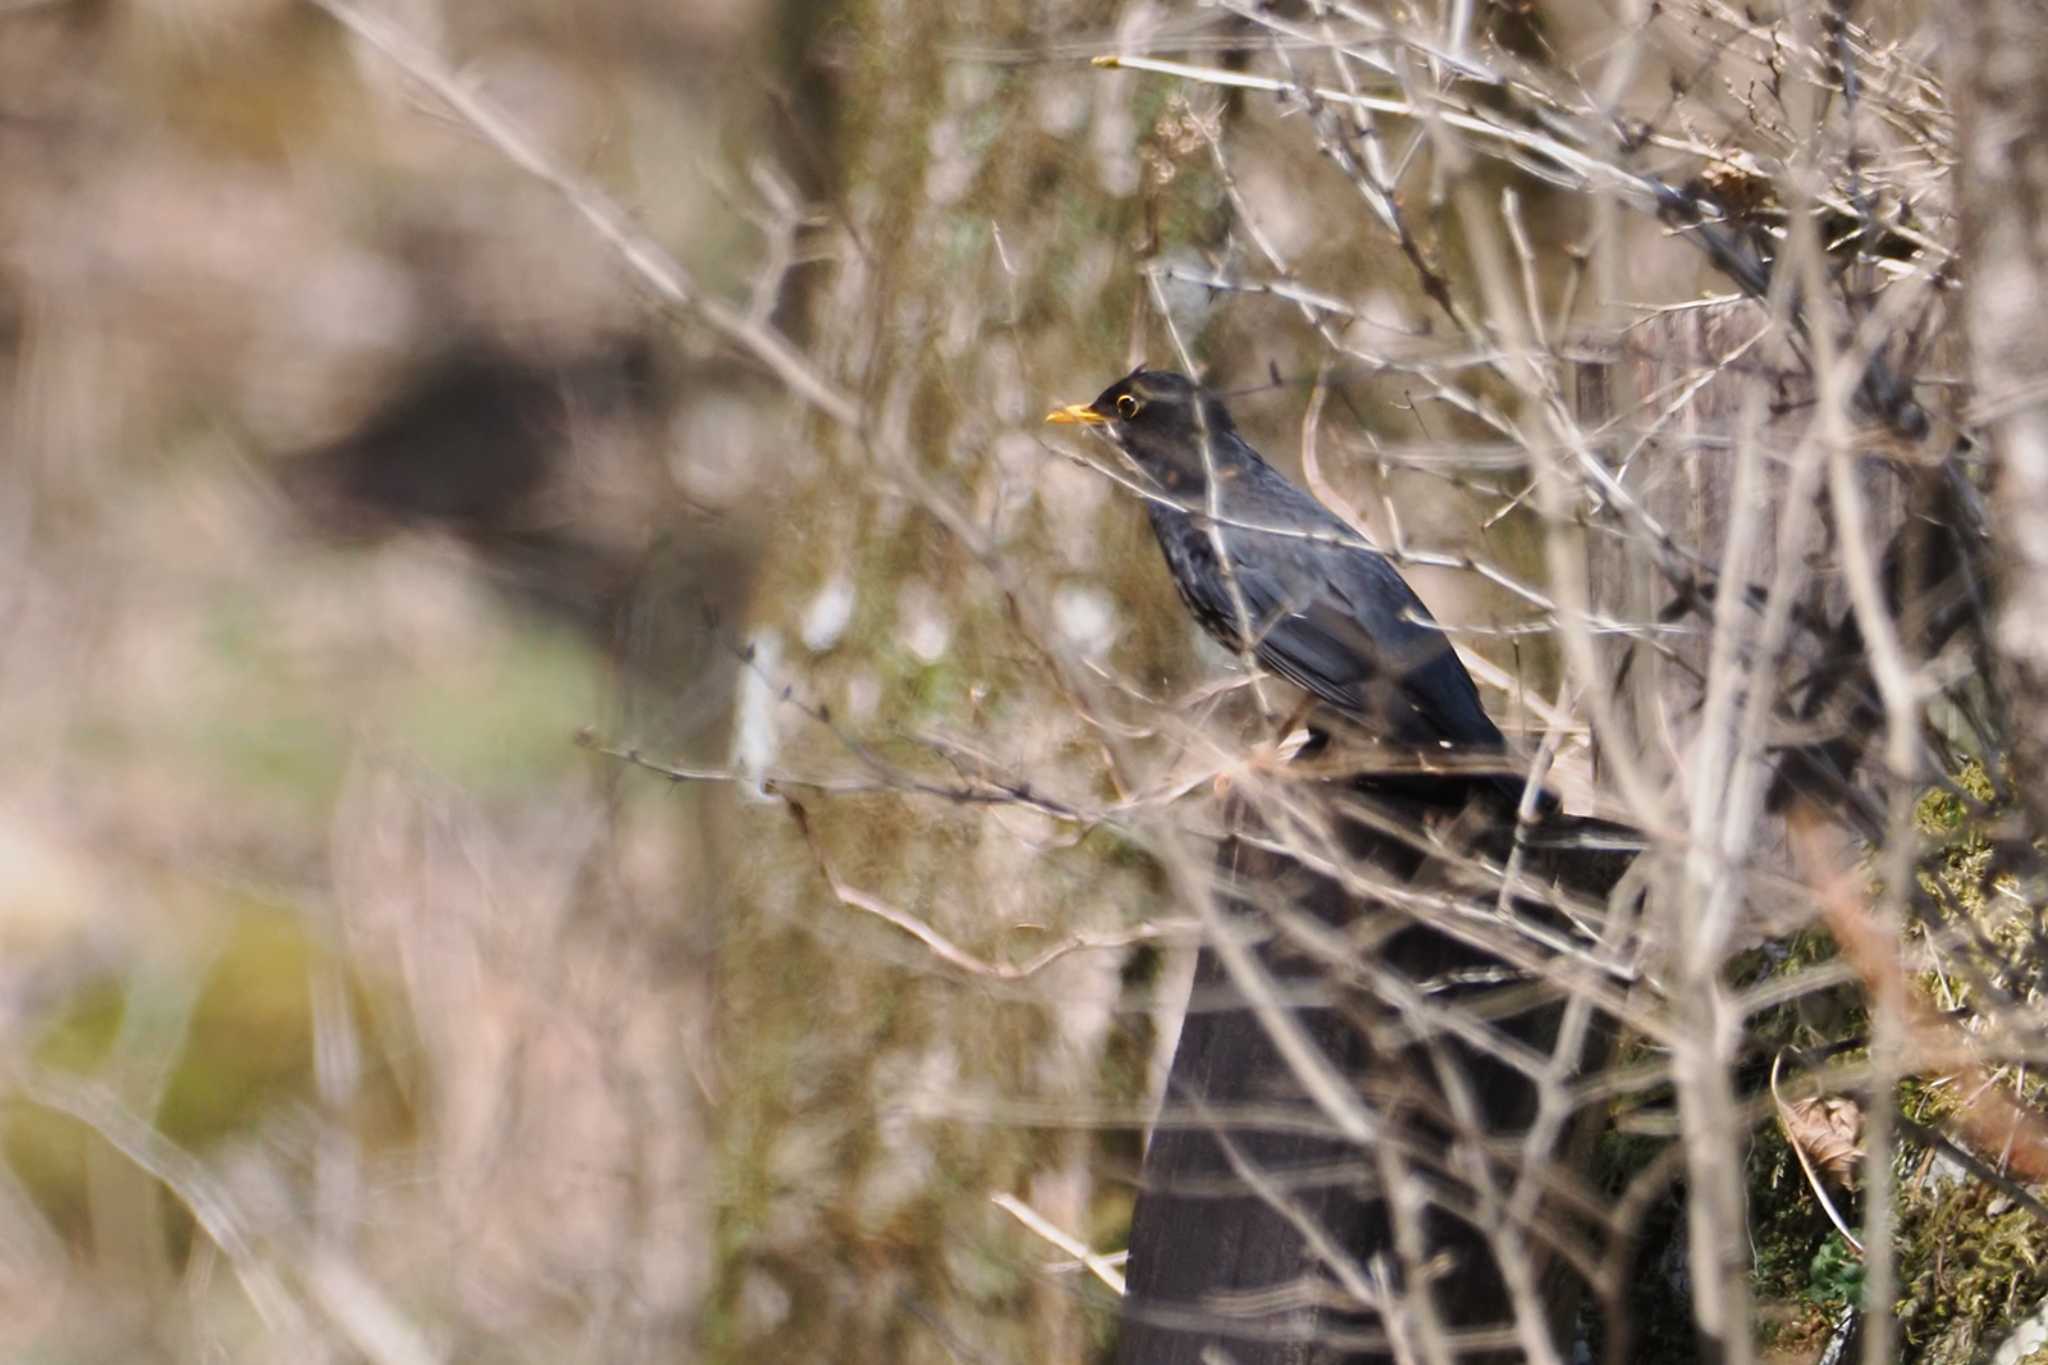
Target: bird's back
<point>1324,611</point>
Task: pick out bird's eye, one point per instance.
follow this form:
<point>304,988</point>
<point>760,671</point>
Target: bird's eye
<point>1127,406</point>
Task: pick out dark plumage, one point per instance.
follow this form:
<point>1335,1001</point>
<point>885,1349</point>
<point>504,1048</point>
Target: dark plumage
<point>1218,1267</point>
<point>1321,610</point>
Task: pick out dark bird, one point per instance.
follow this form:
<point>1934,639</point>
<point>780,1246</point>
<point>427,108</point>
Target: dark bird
<point>1295,587</point>
<point>1218,1269</point>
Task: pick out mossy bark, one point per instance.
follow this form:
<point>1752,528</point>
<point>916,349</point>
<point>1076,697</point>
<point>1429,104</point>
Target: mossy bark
<point>867,1092</point>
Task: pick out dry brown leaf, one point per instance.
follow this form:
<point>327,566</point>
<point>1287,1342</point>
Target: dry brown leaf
<point>1826,1129</point>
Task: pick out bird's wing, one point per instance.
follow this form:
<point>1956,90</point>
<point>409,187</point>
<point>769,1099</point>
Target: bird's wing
<point>1432,678</point>
<point>1365,648</point>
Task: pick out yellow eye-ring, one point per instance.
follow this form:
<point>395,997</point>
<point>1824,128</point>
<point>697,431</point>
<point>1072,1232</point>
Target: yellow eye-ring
<point>1128,405</point>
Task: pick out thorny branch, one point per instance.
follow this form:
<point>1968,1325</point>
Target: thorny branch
<point>1816,189</point>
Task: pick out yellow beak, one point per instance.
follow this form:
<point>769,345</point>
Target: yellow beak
<point>1077,414</point>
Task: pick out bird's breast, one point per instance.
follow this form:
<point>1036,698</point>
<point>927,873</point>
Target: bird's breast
<point>1189,547</point>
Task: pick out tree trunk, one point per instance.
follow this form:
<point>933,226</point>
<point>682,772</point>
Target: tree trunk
<point>2000,47</point>
<point>868,1086</point>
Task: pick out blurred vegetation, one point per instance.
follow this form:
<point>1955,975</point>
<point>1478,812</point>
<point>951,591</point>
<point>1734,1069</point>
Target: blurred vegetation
<point>350,476</point>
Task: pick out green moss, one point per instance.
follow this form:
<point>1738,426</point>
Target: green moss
<point>1971,1265</point>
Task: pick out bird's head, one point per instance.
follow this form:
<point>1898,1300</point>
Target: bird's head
<point>1163,421</point>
